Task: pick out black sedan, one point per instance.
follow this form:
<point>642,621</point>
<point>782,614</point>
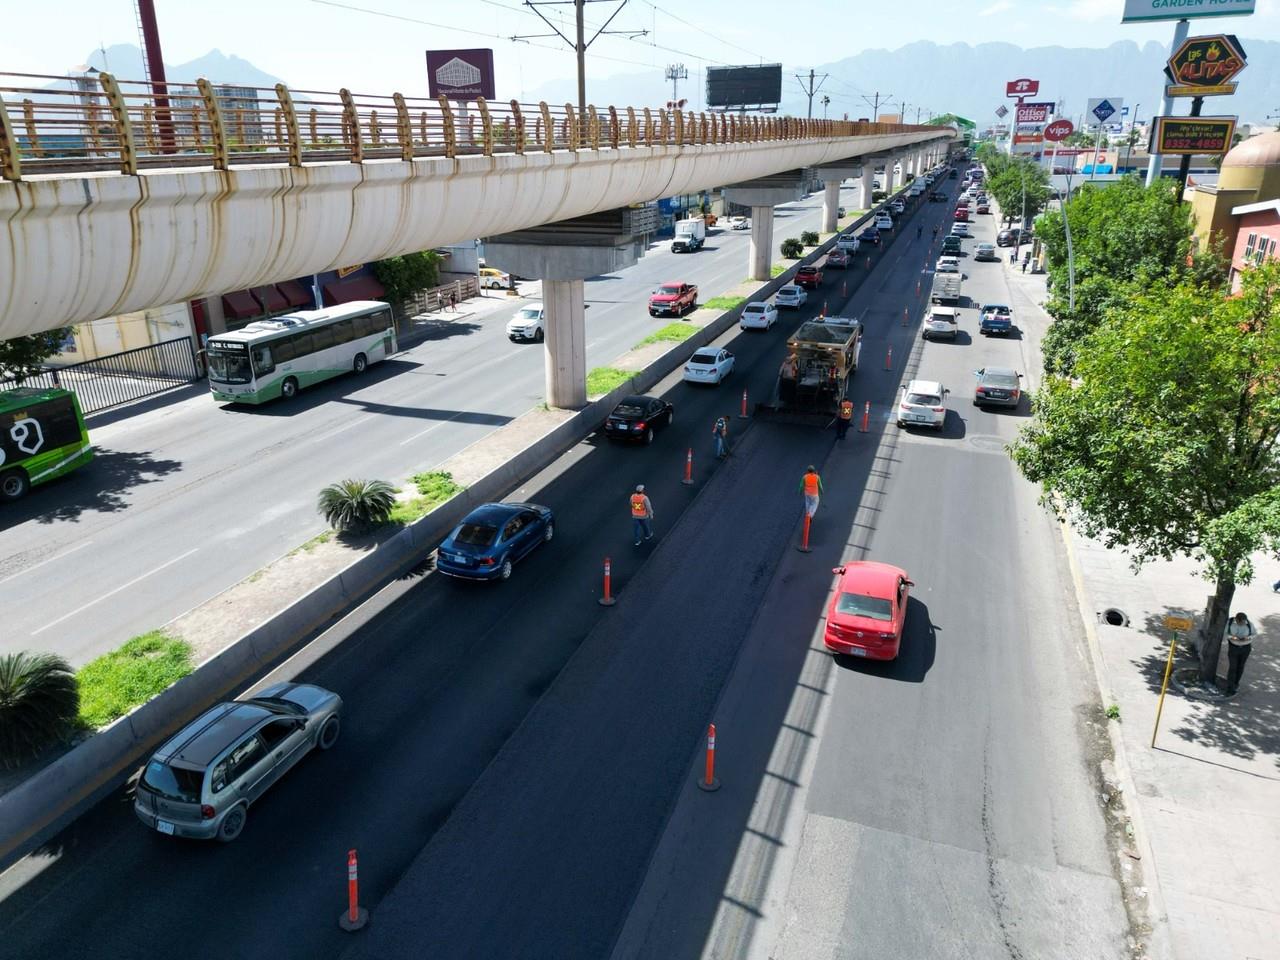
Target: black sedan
<point>637,418</point>
<point>937,196</point>
<point>870,235</point>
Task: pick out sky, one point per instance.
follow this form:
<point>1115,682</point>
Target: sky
<point>376,46</point>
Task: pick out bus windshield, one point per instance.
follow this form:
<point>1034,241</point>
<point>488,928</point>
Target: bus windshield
<point>229,367</point>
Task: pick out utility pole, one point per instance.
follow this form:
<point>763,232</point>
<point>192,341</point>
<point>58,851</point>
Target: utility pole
<point>675,73</point>
<point>810,90</point>
<point>875,106</point>
<point>581,43</point>
<point>825,101</point>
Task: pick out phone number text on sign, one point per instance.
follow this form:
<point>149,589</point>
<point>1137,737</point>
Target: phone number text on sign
<point>1183,135</point>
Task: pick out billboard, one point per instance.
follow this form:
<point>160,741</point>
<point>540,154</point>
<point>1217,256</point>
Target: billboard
<point>1059,130</point>
<point>1034,112</point>
<point>732,87</point>
<point>460,74</point>
<point>1138,11</point>
<point>1189,135</point>
<point>1102,109</point>
<point>1022,88</point>
<point>1205,66</point>
<point>890,118</point>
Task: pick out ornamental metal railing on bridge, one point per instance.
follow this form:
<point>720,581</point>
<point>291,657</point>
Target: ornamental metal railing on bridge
<point>88,123</point>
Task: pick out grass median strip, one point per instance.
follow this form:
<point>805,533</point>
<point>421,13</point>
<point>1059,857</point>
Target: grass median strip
<point>434,488</point>
<point>601,380</point>
<point>113,684</point>
<point>724,303</point>
<point>671,333</point>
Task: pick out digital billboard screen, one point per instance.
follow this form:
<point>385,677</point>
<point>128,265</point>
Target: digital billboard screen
<point>744,86</point>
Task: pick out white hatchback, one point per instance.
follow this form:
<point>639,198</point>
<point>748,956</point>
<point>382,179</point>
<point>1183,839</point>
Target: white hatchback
<point>760,315</point>
<point>790,296</point>
<point>948,265</point>
<point>884,221</point>
<point>960,229</point>
<point>923,404</point>
<point>708,365</point>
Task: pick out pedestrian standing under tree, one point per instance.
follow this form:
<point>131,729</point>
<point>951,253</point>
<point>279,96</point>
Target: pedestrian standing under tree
<point>641,514</point>
<point>1239,646</point>
<point>811,487</point>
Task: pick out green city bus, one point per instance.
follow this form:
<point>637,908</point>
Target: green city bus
<point>42,436</point>
<point>278,357</point>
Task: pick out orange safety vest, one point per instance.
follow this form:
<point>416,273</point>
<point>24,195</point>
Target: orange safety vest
<point>638,508</point>
<point>811,484</point>
<point>846,409</point>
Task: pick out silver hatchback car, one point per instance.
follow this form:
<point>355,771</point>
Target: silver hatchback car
<point>201,782</point>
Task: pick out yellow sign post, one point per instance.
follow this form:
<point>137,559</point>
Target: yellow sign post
<point>1173,624</point>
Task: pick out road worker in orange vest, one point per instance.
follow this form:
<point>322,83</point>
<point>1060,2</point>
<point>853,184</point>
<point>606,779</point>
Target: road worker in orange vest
<point>844,418</point>
<point>811,487</point>
<point>641,514</point>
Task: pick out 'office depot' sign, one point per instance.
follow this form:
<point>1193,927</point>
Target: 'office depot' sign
<point>1034,112</point>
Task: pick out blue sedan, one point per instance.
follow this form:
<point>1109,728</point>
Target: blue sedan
<point>492,537</point>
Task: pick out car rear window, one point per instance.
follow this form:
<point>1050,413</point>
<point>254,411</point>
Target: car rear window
<point>1000,380</point>
<point>173,783</point>
<point>476,534</point>
<point>753,308</point>
<point>628,410</point>
<point>703,358</point>
<point>860,605</point>
<point>924,399</point>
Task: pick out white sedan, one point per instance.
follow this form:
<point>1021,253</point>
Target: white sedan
<point>898,207</point>
<point>790,296</point>
<point>739,223</point>
<point>960,229</point>
<point>948,265</point>
<point>884,221</point>
<point>760,315</point>
<point>708,365</point>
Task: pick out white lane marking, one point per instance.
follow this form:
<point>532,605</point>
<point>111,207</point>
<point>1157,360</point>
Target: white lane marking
<point>37,566</point>
<point>434,426</point>
<point>112,593</point>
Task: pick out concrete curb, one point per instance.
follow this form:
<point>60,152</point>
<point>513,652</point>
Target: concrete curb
<point>46,803</point>
<point>1158,944</point>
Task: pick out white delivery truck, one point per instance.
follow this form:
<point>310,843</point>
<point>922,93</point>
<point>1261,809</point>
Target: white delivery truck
<point>946,288</point>
<point>690,235</point>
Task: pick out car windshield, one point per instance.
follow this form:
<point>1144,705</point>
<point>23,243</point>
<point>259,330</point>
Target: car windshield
<point>703,358</point>
<point>924,399</point>
<point>1000,380</point>
<point>860,605</point>
<point>174,783</point>
<point>476,534</point>
<point>669,291</point>
<point>229,368</point>
<point>530,313</point>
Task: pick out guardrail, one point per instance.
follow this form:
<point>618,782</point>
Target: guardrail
<point>51,124</point>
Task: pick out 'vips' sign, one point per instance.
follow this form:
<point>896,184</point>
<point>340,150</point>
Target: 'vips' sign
<point>1022,88</point>
<point>1187,135</point>
<point>1205,66</point>
<point>460,74</point>
<point>1059,130</point>
<point>1136,11</point>
<point>1034,112</point>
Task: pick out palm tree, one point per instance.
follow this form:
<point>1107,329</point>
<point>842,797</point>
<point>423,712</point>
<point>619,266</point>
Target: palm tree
<point>356,505</point>
<point>39,701</point>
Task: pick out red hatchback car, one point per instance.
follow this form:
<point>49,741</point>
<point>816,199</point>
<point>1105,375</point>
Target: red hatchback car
<point>867,610</point>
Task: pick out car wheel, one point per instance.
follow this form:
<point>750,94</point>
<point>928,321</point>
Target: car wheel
<point>360,363</point>
<point>14,485</point>
<point>538,335</point>
<point>329,733</point>
<point>289,389</point>
<point>504,571</point>
<point>549,533</point>
<point>232,824</point>
<point>648,435</point>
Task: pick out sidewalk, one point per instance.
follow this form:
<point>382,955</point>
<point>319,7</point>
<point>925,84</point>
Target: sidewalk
<point>472,310</point>
<point>1208,795</point>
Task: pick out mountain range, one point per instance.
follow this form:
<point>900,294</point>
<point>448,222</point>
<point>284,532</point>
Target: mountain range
<point>949,78</point>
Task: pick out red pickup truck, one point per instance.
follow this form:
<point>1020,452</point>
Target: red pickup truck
<point>674,298</point>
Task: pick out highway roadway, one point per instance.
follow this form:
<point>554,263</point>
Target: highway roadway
<point>517,760</point>
<point>192,496</point>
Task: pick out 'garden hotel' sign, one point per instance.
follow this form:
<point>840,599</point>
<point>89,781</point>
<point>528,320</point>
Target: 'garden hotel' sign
<point>1139,10</point>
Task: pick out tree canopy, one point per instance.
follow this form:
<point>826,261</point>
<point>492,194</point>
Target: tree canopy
<point>1164,441</point>
<point>23,356</point>
<point>405,275</point>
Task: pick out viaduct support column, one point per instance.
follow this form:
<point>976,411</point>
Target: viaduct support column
<point>565,346</point>
<point>830,205</point>
<point>890,178</point>
<point>762,196</point>
<point>868,183</point>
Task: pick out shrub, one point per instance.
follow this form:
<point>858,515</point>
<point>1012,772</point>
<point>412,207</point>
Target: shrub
<point>356,505</point>
<point>434,488</point>
<point>809,238</point>
<point>877,196</point>
<point>38,704</point>
<point>144,667</point>
<point>792,248</point>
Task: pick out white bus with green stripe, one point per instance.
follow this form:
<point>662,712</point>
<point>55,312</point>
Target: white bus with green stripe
<point>42,437</point>
<point>278,357</point>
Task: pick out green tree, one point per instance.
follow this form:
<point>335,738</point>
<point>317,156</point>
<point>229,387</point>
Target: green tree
<point>405,275</point>
<point>1080,138</point>
<point>1120,233</point>
<point>1008,181</point>
<point>1164,441</point>
<point>356,505</point>
<point>23,356</point>
<point>38,704</point>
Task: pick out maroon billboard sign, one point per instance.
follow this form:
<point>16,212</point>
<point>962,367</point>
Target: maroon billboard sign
<point>1059,130</point>
<point>1034,112</point>
<point>1022,88</point>
<point>460,74</point>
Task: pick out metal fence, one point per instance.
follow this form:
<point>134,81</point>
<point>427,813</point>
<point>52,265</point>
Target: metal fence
<point>120,378</point>
<point>51,124</point>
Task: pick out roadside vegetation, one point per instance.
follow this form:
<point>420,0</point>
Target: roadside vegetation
<point>356,506</point>
<point>113,684</point>
<point>792,248</point>
<point>671,333</point>
<point>39,702</point>
<point>724,303</point>
<point>434,488</point>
